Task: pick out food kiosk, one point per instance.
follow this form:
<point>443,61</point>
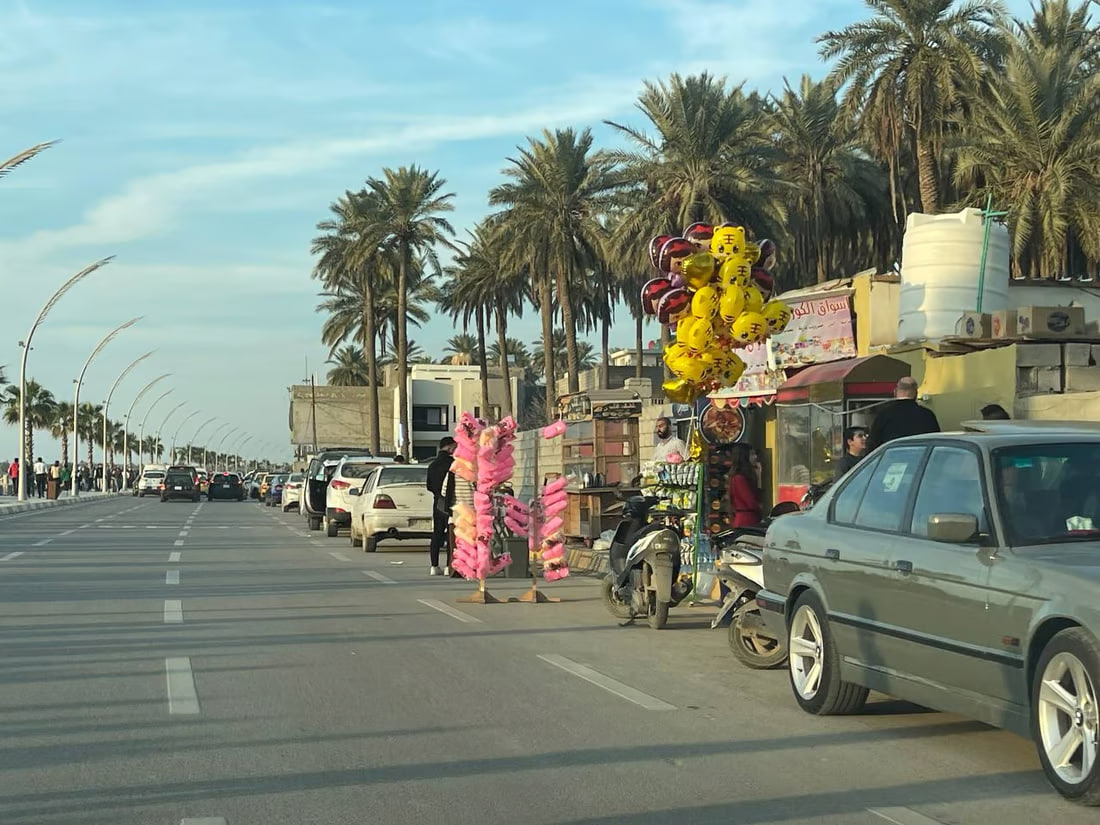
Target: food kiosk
<point>813,408</point>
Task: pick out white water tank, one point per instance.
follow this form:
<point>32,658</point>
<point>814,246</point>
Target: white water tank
<point>941,257</point>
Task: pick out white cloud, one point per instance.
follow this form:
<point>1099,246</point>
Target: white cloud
<point>477,39</point>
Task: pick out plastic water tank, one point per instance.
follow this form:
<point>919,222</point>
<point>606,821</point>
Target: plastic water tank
<point>941,257</point>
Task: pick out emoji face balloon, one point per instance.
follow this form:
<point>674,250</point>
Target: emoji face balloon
<point>672,306</point>
<point>704,304</point>
<point>778,315</point>
<point>730,370</point>
<point>728,240</point>
<point>700,235</point>
<point>652,292</point>
<point>673,253</point>
<point>655,249</point>
<point>731,304</point>
<point>683,328</point>
<point>735,271</point>
<point>698,269</point>
<point>749,328</point>
<point>754,301</point>
<point>700,337</point>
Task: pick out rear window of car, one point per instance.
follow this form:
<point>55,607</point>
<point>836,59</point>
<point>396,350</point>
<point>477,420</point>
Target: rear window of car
<point>296,478</point>
<point>358,469</point>
<point>178,478</point>
<point>154,474</point>
<point>402,475</point>
<point>278,479</point>
<point>226,478</point>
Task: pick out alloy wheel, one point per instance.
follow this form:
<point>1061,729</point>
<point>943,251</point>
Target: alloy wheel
<point>1068,718</point>
<point>806,652</point>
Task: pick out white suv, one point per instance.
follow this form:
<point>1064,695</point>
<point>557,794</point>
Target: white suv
<point>393,503</point>
<point>349,474</point>
<point>149,483</point>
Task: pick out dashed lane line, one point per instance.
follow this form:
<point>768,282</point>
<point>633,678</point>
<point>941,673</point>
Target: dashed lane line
<point>173,611</point>
<point>620,689</point>
<point>178,543</point>
<point>445,608</point>
<point>172,577</point>
<point>11,556</point>
<point>903,816</point>
<point>42,543</point>
<point>339,556</point>
<point>379,577</point>
<point>183,699</point>
<point>203,820</point>
<point>174,556</point>
<point>67,533</point>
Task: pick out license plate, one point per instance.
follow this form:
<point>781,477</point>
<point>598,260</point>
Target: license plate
<point>225,486</point>
<point>177,488</point>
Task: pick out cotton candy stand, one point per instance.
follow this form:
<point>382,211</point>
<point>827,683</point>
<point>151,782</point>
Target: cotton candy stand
<point>545,539</point>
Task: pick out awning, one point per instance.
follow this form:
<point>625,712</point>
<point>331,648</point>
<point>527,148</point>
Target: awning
<point>873,376</point>
<point>743,400</point>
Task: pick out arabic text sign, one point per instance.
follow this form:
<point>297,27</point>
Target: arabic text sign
<point>820,331</point>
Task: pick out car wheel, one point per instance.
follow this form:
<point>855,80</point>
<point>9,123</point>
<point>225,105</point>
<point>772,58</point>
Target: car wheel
<point>370,545</point>
<point>1065,719</point>
<point>814,665</point>
<point>331,529</point>
<point>750,645</point>
<point>314,523</point>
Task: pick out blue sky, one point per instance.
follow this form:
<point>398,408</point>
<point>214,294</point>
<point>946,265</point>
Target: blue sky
<point>203,140</point>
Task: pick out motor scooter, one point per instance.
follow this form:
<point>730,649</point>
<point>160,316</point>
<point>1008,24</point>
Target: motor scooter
<point>644,560</point>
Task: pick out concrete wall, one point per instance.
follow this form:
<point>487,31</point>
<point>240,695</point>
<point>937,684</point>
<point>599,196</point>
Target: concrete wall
<point>590,379</point>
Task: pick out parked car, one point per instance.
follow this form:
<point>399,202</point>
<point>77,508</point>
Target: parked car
<point>349,473</point>
<point>265,485</point>
<point>149,483</point>
<point>292,491</point>
<point>392,503</point>
<point>960,572</point>
<point>275,490</point>
<point>179,484</point>
<point>202,480</point>
<point>225,486</point>
<point>318,473</point>
<point>255,484</point>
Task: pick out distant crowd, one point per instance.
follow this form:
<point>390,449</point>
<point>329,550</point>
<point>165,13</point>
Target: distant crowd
<point>89,478</point>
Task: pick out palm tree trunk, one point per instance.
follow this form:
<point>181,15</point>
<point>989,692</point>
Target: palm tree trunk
<point>547,309</point>
<point>64,446</point>
<point>565,300</point>
<point>374,419</point>
<point>403,351</point>
<point>483,364</point>
<point>605,337</point>
<point>639,344</point>
<point>505,368</point>
<point>926,167</point>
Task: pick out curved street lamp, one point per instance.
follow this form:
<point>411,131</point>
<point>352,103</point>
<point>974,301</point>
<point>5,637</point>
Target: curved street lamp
<point>26,345</point>
<point>195,437</point>
<point>234,430</point>
<point>164,424</point>
<point>238,448</point>
<point>212,436</point>
<point>107,404</point>
<point>141,430</point>
<point>177,432</point>
<point>76,392</point>
<point>126,423</point>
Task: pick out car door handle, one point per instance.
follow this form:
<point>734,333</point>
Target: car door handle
<point>903,566</point>
<point>832,554</point>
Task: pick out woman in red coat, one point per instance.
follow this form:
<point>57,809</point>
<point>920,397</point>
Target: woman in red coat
<point>744,487</point>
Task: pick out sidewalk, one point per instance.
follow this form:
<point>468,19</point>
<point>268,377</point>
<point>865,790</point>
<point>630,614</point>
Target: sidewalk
<point>9,504</point>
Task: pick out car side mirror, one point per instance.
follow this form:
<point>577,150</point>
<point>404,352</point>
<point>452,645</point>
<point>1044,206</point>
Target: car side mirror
<point>953,528</point>
<point>354,491</point>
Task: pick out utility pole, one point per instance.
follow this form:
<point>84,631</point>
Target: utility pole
<point>313,410</point>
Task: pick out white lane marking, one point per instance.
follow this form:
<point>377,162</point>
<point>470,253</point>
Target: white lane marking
<point>182,697</point>
<point>82,526</point>
<point>203,820</point>
<point>178,543</point>
<point>174,555</point>
<point>67,533</point>
<point>172,577</point>
<point>339,556</point>
<point>98,520</point>
<point>183,533</point>
<point>435,604</point>
<point>42,543</point>
<point>11,556</point>
<point>317,543</point>
<point>379,577</point>
<point>173,611</point>
<point>903,816</point>
<point>623,691</point>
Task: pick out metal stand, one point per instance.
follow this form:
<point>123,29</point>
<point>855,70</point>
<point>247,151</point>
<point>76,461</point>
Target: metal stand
<point>535,596</point>
<point>480,596</point>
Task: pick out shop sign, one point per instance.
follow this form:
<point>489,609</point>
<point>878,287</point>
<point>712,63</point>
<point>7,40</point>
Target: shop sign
<point>820,331</point>
<point>575,407</point>
<point>759,377</point>
<point>617,410</point>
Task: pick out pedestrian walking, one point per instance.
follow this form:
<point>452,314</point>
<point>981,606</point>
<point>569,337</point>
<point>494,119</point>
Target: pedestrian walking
<point>66,476</point>
<point>13,476</point>
<point>901,417</point>
<point>40,477</point>
<point>441,486</point>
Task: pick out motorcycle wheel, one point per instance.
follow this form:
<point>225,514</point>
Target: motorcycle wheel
<point>617,608</point>
<point>750,647</point>
<point>658,613</point>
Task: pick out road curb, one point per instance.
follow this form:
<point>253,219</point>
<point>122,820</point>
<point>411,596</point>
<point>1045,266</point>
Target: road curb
<point>31,506</point>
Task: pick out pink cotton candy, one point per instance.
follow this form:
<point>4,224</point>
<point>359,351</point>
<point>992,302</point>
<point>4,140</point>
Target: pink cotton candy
<point>554,430</point>
<point>555,485</point>
<point>553,526</point>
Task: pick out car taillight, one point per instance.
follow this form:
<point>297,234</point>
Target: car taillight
<point>340,485</point>
<point>384,502</point>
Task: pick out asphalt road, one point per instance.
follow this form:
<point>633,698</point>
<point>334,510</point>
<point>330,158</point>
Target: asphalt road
<point>168,663</point>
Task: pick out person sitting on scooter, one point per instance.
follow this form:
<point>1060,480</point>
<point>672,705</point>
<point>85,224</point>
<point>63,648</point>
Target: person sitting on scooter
<point>744,487</point>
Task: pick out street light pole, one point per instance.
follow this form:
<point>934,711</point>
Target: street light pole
<point>141,430</point>
<point>26,345</point>
<point>222,444</point>
<point>126,423</point>
<point>205,462</point>
<point>202,427</point>
<point>171,412</point>
<point>76,393</point>
<point>177,432</point>
<point>238,450</point>
<point>107,404</point>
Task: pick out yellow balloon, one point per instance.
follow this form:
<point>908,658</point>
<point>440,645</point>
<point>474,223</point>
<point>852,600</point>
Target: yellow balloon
<point>731,304</point>
<point>698,269</point>
<point>754,301</point>
<point>749,328</point>
<point>735,271</point>
<point>701,337</point>
<point>727,240</point>
<point>704,304</point>
<point>683,328</point>
<point>680,391</point>
<point>691,369</point>
<point>778,315</point>
<point>675,352</point>
<point>730,370</point>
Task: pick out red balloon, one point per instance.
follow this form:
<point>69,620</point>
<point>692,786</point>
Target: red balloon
<point>652,292</point>
<point>655,249</point>
<point>674,303</point>
<point>700,234</point>
<point>672,249</point>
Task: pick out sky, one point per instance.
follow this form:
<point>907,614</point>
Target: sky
<point>202,141</point>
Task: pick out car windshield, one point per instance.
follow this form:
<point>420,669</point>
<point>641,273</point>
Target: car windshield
<point>296,478</point>
<point>357,469</point>
<point>1048,493</point>
<point>390,476</point>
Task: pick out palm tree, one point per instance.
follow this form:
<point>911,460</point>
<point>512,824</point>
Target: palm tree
<point>463,345</point>
<point>18,160</point>
<point>908,69</point>
<point>835,188</point>
<point>1032,140</point>
<point>59,428</point>
<point>40,406</point>
<point>349,369</point>
<point>586,354</point>
<point>408,223</point>
<point>416,356</point>
<point>90,424</point>
<point>465,297</point>
<point>555,202</point>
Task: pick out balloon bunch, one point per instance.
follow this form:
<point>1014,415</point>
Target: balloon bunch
<point>715,293</point>
<point>483,457</point>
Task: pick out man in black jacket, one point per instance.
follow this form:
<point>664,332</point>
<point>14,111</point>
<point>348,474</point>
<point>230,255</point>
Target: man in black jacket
<point>443,499</point>
<point>901,417</point>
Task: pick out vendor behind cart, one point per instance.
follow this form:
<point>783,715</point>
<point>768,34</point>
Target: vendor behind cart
<point>668,445</point>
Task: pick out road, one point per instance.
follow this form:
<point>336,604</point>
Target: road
<point>168,663</point>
